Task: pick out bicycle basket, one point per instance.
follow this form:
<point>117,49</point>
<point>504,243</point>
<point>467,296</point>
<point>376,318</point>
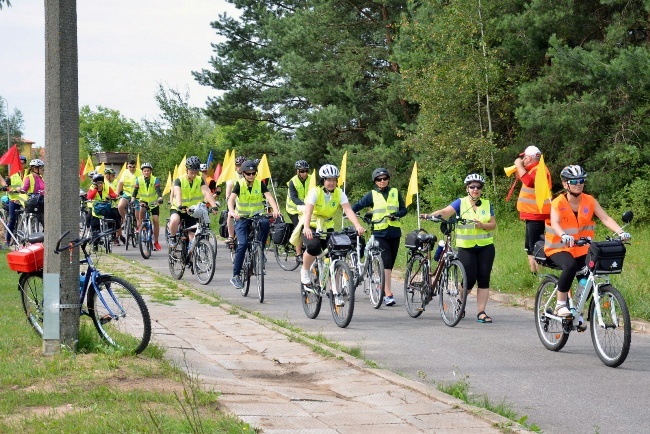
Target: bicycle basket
<point>102,208</point>
<point>539,254</point>
<point>339,244</point>
<point>35,204</point>
<point>281,232</point>
<point>353,241</point>
<point>414,241</point>
<point>606,257</point>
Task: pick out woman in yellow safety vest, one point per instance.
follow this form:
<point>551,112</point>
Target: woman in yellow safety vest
<point>474,239</point>
<point>297,190</point>
<point>16,198</point>
<point>571,218</point>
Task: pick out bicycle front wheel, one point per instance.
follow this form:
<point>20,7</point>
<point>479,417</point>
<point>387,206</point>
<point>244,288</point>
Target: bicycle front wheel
<point>203,258</point>
<point>342,295</point>
<point>375,280</point>
<point>285,256</point>
<point>176,259</point>
<point>259,271</point>
<point>416,285</point>
<point>246,272</point>
<point>120,314</point>
<point>30,286</point>
<point>128,231</point>
<point>550,330</point>
<point>612,337</point>
<point>453,295</point>
<point>144,240</point>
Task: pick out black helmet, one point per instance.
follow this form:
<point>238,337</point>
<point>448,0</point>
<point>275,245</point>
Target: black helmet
<point>301,164</point>
<point>193,163</point>
<point>240,160</point>
<point>146,166</point>
<point>249,166</point>
<point>379,172</point>
<point>573,172</point>
<point>98,178</point>
<point>23,159</point>
<point>109,171</point>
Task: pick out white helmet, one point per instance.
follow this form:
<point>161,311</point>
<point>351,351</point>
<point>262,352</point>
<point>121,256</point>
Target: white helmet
<point>328,171</point>
<point>573,172</point>
<point>474,177</point>
<point>36,163</point>
<point>203,167</point>
<point>92,174</point>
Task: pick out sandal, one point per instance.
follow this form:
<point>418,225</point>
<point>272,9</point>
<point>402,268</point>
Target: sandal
<point>485,319</point>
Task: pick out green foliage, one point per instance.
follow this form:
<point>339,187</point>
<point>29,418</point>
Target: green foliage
<point>15,119</point>
<point>106,130</point>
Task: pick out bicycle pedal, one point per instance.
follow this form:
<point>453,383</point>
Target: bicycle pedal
<point>105,319</point>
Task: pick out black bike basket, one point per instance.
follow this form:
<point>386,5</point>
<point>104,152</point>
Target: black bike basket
<point>412,241</point>
<point>223,224</point>
<point>539,254</point>
<point>606,257</point>
<point>35,204</point>
<point>339,243</point>
<point>281,232</point>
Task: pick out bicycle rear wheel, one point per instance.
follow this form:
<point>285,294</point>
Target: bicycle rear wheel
<point>416,285</point>
<point>611,339</point>
<point>176,260</point>
<point>453,295</point>
<point>550,330</point>
<point>120,314</point>
<point>128,231</point>
<point>259,270</point>
<point>233,250</point>
<point>343,281</point>
<point>203,257</point>
<point>310,297</point>
<point>246,272</point>
<point>212,239</point>
<point>375,279</point>
<point>145,241</point>
<point>30,286</point>
<point>285,256</point>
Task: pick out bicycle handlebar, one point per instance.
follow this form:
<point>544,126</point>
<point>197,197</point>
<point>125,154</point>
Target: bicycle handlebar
<point>80,241</point>
<point>440,219</point>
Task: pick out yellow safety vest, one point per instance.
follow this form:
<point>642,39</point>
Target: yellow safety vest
<point>112,185</point>
<point>101,196</point>
<point>251,201</point>
<point>468,235</point>
<point>324,210</point>
<point>148,194</point>
<point>16,182</point>
<point>128,183</point>
<point>32,183</point>
<point>301,189</point>
<point>190,194</point>
<point>383,207</point>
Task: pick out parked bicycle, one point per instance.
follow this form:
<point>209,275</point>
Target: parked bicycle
<point>253,264</point>
<point>129,226</point>
<point>29,219</point>
<point>606,309</point>
<point>285,252</point>
<point>448,280</point>
<point>116,308</point>
<point>198,254</point>
<point>331,277</point>
<point>83,213</point>
<point>366,263</point>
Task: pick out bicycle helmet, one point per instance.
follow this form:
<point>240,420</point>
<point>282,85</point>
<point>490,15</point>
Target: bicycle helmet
<point>98,178</point>
<point>573,172</point>
<point>146,166</point>
<point>379,172</point>
<point>328,171</point>
<point>474,177</point>
<point>240,160</point>
<point>36,163</point>
<point>249,166</point>
<point>23,159</point>
<point>92,174</point>
<point>203,167</point>
<point>193,163</point>
<point>301,164</point>
<point>109,171</point>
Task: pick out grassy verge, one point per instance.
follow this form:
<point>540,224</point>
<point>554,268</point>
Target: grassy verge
<point>96,390</point>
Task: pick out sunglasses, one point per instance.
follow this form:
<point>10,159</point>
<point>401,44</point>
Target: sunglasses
<point>250,173</point>
<point>382,179</point>
<point>475,187</point>
<point>131,167</point>
<point>575,181</point>
<point>303,171</point>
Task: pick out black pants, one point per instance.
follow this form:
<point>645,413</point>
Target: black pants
<point>534,231</point>
<point>478,264</point>
<point>389,248</point>
<point>569,266</point>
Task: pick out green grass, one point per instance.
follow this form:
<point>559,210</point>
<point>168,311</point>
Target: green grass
<point>97,389</point>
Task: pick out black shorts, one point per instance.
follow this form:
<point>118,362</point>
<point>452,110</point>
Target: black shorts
<point>534,233</point>
<point>187,219</point>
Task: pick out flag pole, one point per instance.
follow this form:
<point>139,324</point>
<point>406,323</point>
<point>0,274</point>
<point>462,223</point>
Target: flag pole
<point>275,196</point>
<point>417,204</point>
<point>343,214</point>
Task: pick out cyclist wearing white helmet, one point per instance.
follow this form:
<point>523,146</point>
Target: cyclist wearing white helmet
<point>571,218</point>
<point>147,189</point>
<point>474,239</point>
<point>321,203</point>
<point>230,223</point>
<point>33,183</point>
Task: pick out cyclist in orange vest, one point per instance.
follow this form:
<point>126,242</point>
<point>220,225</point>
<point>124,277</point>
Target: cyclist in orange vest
<point>571,218</point>
<point>526,165</point>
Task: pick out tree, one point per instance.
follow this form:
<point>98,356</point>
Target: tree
<point>16,122</point>
<point>107,130</point>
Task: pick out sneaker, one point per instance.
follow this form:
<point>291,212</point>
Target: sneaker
<point>390,301</point>
<point>157,247</point>
<point>122,239</point>
<point>563,311</point>
<point>338,300</point>
<point>299,259</point>
<point>304,277</point>
<point>236,282</point>
<point>172,242</point>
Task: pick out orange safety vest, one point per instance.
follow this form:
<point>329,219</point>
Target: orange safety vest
<point>583,226</point>
<point>526,203</point>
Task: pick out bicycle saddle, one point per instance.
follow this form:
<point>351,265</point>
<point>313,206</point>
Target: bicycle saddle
<point>426,238</point>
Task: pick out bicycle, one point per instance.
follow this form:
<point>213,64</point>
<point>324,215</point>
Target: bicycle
<point>116,308</point>
<point>448,280</point>
<point>330,276</point>
<point>370,269</point>
<point>145,235</point>
<point>253,264</point>
<point>608,314</point>
<point>83,213</point>
<point>198,255</point>
<point>29,220</point>
<point>129,226</point>
<point>107,226</point>
<point>285,252</point>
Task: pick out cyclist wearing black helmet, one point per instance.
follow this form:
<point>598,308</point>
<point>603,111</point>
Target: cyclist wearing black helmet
<point>385,202</point>
<point>125,188</point>
<point>99,193</point>
<point>246,199</point>
<point>16,198</point>
<point>298,186</point>
<point>571,218</point>
<point>230,222</point>
<point>148,188</point>
<point>188,190</point>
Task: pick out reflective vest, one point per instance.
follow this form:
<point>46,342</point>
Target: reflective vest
<point>251,201</point>
<point>100,196</point>
<point>190,194</point>
<point>32,183</point>
<point>468,235</point>
<point>128,183</point>
<point>583,226</point>
<point>324,209</point>
<point>383,207</point>
<point>148,193</point>
<point>301,189</point>
<point>527,203</point>
<point>112,185</point>
<point>16,182</point>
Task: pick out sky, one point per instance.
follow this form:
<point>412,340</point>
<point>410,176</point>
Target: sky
<point>126,49</point>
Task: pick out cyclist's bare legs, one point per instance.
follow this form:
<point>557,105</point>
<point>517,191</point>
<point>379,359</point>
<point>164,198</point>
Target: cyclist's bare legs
<point>231,227</point>
<point>139,216</point>
<point>482,295</point>
<point>307,260</point>
<point>156,227</point>
<point>532,264</point>
<point>387,276</point>
<point>121,207</point>
<point>174,221</point>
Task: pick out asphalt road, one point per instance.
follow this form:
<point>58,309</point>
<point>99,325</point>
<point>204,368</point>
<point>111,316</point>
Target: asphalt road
<point>570,390</point>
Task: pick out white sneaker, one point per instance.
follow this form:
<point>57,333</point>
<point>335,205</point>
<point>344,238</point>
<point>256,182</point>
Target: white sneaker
<point>304,277</point>
<point>563,311</point>
<point>339,301</point>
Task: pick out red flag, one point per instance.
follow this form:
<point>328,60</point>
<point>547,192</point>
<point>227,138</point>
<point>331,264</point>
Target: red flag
<point>82,164</point>
<point>217,172</point>
<point>12,157</point>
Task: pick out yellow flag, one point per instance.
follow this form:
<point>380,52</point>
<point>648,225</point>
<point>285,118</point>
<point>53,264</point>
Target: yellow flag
<point>89,166</point>
<point>312,180</point>
<point>263,170</point>
<point>413,185</point>
<point>138,171</point>
<point>542,189</point>
<point>229,172</point>
<point>176,172</point>
<point>119,175</point>
<point>344,169</point>
<point>102,168</point>
<point>226,158</point>
<point>168,185</point>
<point>182,170</point>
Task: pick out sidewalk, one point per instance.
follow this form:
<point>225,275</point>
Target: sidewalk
<point>275,380</point>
